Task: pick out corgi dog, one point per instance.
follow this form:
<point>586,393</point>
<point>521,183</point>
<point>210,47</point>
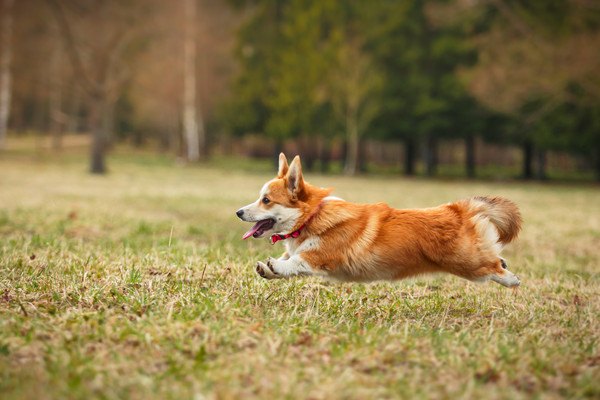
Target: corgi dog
<point>329,237</point>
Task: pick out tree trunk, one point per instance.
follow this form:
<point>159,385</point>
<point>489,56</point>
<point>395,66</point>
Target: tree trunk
<point>470,156</point>
<point>56,85</point>
<point>540,173</point>
<point>277,149</point>
<point>596,161</point>
<point>108,122</point>
<point>5,74</point>
<point>163,140</point>
<point>325,156</point>
<point>308,148</point>
<point>527,160</point>
<point>353,140</point>
<point>362,155</point>
<point>344,151</point>
<point>100,122</point>
<point>138,138</point>
<point>190,123</point>
<point>409,156</point>
<point>193,124</point>
<point>431,158</point>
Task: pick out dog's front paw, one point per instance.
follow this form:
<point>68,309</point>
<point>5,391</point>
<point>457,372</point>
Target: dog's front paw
<point>266,269</point>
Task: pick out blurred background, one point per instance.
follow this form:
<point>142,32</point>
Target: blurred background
<point>466,88</point>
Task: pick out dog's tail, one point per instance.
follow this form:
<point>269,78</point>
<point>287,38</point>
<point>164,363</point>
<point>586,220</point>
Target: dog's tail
<point>502,213</point>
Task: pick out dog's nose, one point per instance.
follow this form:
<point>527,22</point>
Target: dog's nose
<point>239,213</point>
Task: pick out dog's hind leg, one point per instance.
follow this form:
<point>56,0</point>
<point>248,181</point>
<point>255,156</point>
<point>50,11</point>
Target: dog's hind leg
<point>496,271</point>
<point>505,277</point>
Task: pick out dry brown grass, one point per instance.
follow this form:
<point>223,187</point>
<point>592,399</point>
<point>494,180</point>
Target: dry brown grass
<point>137,285</point>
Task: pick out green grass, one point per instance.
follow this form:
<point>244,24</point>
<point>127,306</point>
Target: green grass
<point>137,285</point>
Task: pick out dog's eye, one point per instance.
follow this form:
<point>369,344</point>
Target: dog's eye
<point>266,200</point>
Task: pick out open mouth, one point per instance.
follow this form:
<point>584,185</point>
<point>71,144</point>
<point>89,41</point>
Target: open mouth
<point>259,228</point>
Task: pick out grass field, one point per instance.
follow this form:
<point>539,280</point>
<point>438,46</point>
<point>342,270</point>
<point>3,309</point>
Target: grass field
<point>137,285</point>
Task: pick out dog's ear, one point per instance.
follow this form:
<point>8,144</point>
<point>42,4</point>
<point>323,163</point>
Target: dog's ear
<point>295,181</point>
<point>283,166</point>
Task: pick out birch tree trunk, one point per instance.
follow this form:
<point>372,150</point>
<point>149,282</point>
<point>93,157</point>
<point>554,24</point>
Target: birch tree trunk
<point>5,74</point>
<point>56,86</point>
<point>193,124</point>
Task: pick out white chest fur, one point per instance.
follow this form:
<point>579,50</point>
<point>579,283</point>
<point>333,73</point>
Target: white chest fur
<point>293,246</point>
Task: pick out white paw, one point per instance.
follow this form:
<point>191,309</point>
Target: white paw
<point>266,270</point>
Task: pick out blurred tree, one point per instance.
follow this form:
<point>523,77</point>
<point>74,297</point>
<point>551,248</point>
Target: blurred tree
<point>354,84</point>
<point>97,60</point>
<point>285,51</point>
<point>157,86</point>
<point>33,44</point>
<point>289,47</point>
<point>56,88</point>
<point>317,72</point>
<point>193,123</point>
<point>423,97</point>
<point>5,67</point>
<point>299,102</point>
<point>573,125</point>
<point>531,54</point>
<point>258,39</point>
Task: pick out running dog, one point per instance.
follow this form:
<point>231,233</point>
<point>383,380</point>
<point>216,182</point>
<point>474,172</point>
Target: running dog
<point>329,237</point>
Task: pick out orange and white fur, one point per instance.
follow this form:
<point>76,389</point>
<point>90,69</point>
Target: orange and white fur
<point>366,242</point>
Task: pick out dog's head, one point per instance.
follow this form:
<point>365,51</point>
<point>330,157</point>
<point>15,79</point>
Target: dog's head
<point>281,204</point>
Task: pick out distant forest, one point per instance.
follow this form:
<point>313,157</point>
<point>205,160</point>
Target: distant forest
<point>411,82</point>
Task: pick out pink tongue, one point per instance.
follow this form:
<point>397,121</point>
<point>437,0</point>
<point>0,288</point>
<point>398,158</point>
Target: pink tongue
<point>252,231</point>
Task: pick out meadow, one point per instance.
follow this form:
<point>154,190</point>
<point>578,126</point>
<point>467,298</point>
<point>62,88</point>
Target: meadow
<point>137,285</point>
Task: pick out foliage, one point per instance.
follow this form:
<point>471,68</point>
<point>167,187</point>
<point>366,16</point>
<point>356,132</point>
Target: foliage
<point>290,52</point>
<point>285,50</point>
<point>539,66</point>
<point>318,72</point>
<point>571,125</point>
<point>423,94</point>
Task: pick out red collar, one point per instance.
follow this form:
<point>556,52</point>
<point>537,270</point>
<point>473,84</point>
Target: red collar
<point>277,237</point>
